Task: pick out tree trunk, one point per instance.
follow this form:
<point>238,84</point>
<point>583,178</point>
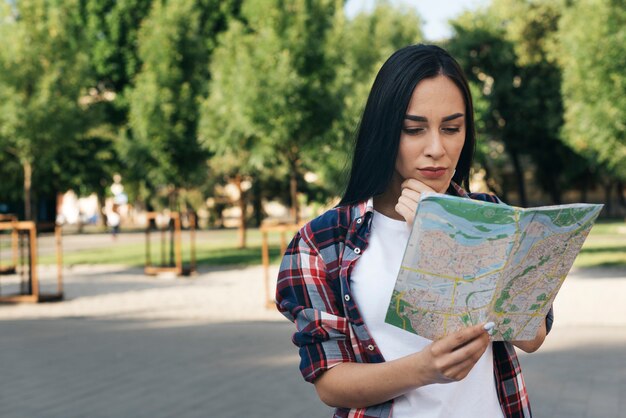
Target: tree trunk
<point>101,212</point>
<point>491,185</point>
<point>293,192</point>
<point>584,190</point>
<point>519,177</point>
<point>620,194</point>
<point>28,178</point>
<point>173,200</point>
<point>554,191</point>
<point>608,187</point>
<point>242,208</point>
<point>257,202</point>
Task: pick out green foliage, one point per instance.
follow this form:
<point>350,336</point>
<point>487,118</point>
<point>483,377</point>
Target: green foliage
<point>111,29</point>
<point>42,73</point>
<point>270,103</point>
<point>294,102</point>
<point>593,56</point>
<point>505,51</point>
<point>367,41</point>
<point>249,69</point>
<point>175,43</point>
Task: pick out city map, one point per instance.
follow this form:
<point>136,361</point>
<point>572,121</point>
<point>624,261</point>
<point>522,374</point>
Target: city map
<point>469,262</point>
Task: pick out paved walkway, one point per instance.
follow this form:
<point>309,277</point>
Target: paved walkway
<point>126,345</point>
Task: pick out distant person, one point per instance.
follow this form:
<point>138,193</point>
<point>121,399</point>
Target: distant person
<point>336,279</point>
<point>113,221</point>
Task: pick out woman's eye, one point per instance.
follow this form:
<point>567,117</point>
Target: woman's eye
<point>412,131</point>
<point>452,130</point>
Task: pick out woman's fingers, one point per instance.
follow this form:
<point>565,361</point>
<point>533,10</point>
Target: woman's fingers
<point>416,185</point>
<point>405,210</point>
<point>461,370</point>
<point>460,338</point>
<point>471,349</point>
<point>454,355</point>
<point>409,197</point>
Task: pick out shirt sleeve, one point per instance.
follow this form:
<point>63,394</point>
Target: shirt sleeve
<point>309,298</point>
<point>549,319</point>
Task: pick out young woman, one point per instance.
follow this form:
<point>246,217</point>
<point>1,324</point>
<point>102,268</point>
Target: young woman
<point>337,276</point>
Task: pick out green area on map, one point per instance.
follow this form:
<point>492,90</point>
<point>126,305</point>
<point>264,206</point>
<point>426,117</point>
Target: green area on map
<point>469,262</point>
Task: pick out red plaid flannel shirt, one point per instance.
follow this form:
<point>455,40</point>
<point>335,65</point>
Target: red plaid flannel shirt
<point>313,291</point>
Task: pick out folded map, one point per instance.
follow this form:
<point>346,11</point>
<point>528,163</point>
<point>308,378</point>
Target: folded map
<point>469,262</point>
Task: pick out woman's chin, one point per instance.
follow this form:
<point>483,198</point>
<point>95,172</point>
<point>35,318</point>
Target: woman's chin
<point>438,185</point>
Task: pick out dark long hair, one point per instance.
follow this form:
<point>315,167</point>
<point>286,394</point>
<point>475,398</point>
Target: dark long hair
<point>378,137</point>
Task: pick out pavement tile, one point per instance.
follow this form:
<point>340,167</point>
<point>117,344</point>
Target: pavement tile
<point>126,345</point>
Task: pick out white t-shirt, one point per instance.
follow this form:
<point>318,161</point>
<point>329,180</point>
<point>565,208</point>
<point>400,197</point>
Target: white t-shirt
<point>372,281</point>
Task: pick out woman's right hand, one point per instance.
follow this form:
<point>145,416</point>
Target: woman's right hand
<point>358,385</point>
<point>451,358</point>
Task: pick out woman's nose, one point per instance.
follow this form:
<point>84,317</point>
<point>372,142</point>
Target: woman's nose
<point>434,147</point>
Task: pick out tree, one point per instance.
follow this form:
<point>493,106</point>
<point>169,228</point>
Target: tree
<point>227,123</point>
<point>592,53</point>
<point>278,101</point>
<point>367,41</point>
<point>111,28</point>
<point>489,61</point>
<point>42,74</point>
<point>505,50</point>
<point>293,104</point>
<point>175,45</point>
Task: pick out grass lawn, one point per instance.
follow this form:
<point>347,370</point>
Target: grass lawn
<point>218,248</point>
<point>605,247</point>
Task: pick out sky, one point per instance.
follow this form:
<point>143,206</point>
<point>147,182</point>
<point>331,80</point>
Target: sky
<point>434,12</point>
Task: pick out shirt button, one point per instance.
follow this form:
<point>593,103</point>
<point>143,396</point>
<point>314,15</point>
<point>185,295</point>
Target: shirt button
<point>347,298</point>
<point>370,347</point>
<point>357,250</point>
<point>359,220</point>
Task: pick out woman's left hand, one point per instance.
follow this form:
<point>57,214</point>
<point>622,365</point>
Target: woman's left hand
<point>410,196</point>
<point>531,346</point>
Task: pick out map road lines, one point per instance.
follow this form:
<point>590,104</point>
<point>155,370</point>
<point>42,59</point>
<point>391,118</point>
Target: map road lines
<point>468,262</point>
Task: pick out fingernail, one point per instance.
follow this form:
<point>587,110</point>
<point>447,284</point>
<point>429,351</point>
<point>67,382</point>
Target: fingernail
<point>489,326</point>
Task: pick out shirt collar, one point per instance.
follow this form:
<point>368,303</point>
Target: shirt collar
<point>362,208</point>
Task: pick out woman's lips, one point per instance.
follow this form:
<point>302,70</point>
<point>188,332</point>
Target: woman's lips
<point>432,172</point>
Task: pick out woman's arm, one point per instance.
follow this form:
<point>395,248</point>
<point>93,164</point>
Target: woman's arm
<point>530,346</point>
<point>358,385</point>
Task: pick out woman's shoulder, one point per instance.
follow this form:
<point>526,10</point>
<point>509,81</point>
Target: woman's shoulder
<point>338,217</point>
<point>332,225</point>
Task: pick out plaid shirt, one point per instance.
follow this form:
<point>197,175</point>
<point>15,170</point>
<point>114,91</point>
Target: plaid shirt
<point>313,291</point>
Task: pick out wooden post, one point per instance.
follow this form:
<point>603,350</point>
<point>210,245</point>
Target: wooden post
<point>31,292</point>
<point>148,259</point>
<point>11,220</point>
<point>265,254</point>
<point>283,241</point>
<point>265,230</point>
<point>163,241</point>
<point>173,264</point>
<point>178,254</point>
<point>32,232</point>
<point>14,244</point>
<point>58,234</point>
<point>192,237</point>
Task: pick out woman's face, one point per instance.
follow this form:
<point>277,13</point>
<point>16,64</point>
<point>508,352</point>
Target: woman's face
<point>433,133</point>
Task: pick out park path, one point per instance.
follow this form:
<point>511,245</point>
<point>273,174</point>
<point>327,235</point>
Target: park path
<point>125,345</point>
